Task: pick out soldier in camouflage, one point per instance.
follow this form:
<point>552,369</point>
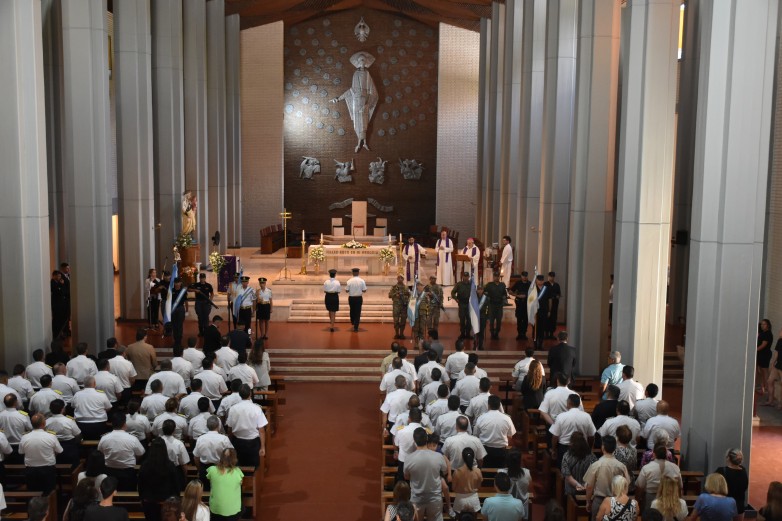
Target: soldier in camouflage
<point>400,296</point>
<point>436,298</point>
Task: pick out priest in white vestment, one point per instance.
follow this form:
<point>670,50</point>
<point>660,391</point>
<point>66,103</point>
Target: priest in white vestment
<point>506,261</point>
<point>412,255</point>
<point>474,253</point>
<point>444,249</point>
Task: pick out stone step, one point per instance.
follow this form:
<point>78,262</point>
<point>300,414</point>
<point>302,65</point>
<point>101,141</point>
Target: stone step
<point>340,313</point>
<point>342,320</point>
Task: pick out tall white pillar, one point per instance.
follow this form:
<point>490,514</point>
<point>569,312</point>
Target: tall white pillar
<point>643,217</point>
<point>133,69</point>
<point>25,314</point>
<point>494,142</point>
<point>86,131</point>
<point>735,106</point>
<point>233,128</point>
<point>559,101</point>
<point>196,150</point>
<point>215,106</point>
<point>592,193</point>
<point>168,117</point>
<point>483,206</point>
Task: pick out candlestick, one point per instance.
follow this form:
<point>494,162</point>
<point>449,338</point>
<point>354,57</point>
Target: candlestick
<point>321,238</point>
<point>400,237</point>
<point>302,235</point>
<point>389,238</point>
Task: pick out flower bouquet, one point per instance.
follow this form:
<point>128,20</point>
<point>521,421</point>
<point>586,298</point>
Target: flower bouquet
<point>217,261</point>
<point>386,255</point>
<point>354,245</point>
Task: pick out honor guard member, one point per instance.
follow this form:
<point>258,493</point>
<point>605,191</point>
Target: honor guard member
<point>67,432</point>
<point>497,295</point>
<point>107,382</point>
<point>90,408</point>
<point>208,448</point>
<point>155,403</point>
<point>37,369</point>
<point>189,404</point>
<point>65,384</point>
<point>14,424</point>
<point>332,289</point>
<point>555,294</point>
<point>483,317</point>
<point>204,292</point>
<point>162,291</point>
<point>461,293</point>
<point>244,301</point>
<point>520,290</point>
<point>436,298</point>
<point>170,414</point>
<point>264,311</point>
<point>421,313</point>
<point>178,312</point>
<point>152,290</point>
<point>40,449</point>
<point>234,288</point>
<point>44,397</point>
<point>247,425</point>
<point>121,449</point>
<point>399,296</point>
<point>19,383</point>
<point>355,288</point>
<point>173,383</point>
<point>80,367</point>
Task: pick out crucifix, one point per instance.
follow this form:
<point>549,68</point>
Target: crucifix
<point>285,215</point>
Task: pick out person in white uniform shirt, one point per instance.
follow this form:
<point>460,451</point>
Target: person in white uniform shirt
<point>646,408</point>
<point>123,369</point>
<point>429,393</point>
<point>468,387</point>
<point>197,427</point>
<point>67,432</point>
<point>170,414</point>
<point>472,251</point>
<point>439,406</point>
<point>506,260</point>
<point>425,371</point>
<point>189,404</point>
<point>45,396</point>
<point>5,450</point>
<point>245,300</point>
<point>403,418</point>
<point>332,288</point>
<point>407,367</point>
<point>181,366</point>
<point>212,384</point>
<point>121,450</point>
<point>568,422</point>
<point>495,429</point>
<point>454,445</point>
<point>395,402</point>
<point>404,436</point>
<point>661,422</point>
<point>40,449</point>
<point>264,308</point>
<point>388,382</point>
<point>479,373</point>
<point>247,425</point>
<point>622,418</point>
<point>20,384</point>
<point>230,400</point>
<point>243,372</point>
<point>479,405</point>
<point>227,357</point>
<point>177,452</point>
<point>234,288</point>
<point>555,400</point>
<point>444,249</point>
<point>208,448</point>
<point>455,362</point>
<point>137,424</point>
<point>630,390</point>
<point>14,424</point>
<point>91,408</point>
<point>37,369</point>
<point>173,383</point>
<point>63,383</point>
<point>445,426</point>
<point>355,288</point>
<point>107,382</point>
<point>155,403</point>
<point>194,355</point>
<point>80,367</point>
<point>521,368</point>
<point>5,389</point>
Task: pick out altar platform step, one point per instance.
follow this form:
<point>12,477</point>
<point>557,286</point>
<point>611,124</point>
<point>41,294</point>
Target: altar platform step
<point>313,310</point>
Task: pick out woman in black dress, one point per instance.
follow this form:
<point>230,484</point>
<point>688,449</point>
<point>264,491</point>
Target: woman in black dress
<point>765,339</point>
<point>332,289</point>
<point>736,476</point>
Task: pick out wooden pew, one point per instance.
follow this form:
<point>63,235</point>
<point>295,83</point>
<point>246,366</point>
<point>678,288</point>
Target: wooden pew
<point>15,475</point>
<point>17,501</point>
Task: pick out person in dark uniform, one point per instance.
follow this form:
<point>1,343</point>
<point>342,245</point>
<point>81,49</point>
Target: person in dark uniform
<point>65,269</point>
<point>541,317</point>
<point>332,288</point>
<point>203,294</point>
<point>496,293</point>
<point>212,335</point>
<point>562,357</point>
<point>153,298</point>
<point>263,310</point>
<point>59,304</point>
<point>520,290</point>
<point>483,317</point>
<point>461,293</point>
<point>161,289</point>
<point>245,300</point>
<point>555,293</point>
<point>178,312</point>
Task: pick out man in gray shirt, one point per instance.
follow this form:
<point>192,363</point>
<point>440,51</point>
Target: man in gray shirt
<point>424,468</point>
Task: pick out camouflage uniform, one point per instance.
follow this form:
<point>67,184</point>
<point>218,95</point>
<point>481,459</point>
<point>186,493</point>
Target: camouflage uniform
<point>437,304</point>
<point>422,319</point>
<point>400,296</point>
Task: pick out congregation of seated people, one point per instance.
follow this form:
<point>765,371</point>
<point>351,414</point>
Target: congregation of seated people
<point>134,424</point>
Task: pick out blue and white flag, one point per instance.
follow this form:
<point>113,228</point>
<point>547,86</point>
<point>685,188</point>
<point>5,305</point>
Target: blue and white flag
<point>533,299</point>
<point>412,305</point>
<point>168,307</point>
<point>475,308</point>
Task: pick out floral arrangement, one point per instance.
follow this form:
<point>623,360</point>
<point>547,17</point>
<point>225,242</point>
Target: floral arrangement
<point>217,261</point>
<point>189,271</point>
<point>354,245</point>
<point>183,240</point>
<point>387,255</point>
<point>317,254</point>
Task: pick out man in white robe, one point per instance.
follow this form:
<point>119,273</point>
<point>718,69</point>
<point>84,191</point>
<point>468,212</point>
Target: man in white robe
<point>472,251</point>
<point>506,261</point>
<point>444,249</point>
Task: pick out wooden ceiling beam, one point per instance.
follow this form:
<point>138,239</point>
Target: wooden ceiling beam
<point>267,7</point>
<point>287,18</point>
<point>449,11</point>
<point>345,4</point>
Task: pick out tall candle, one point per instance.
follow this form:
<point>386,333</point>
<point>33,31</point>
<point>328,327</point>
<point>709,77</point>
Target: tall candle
<point>321,237</point>
<point>389,238</point>
<point>302,236</point>
<point>400,237</point>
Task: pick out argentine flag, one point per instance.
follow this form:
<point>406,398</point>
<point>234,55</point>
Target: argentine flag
<point>475,308</point>
<point>168,306</point>
<point>412,305</point>
<point>532,300</point>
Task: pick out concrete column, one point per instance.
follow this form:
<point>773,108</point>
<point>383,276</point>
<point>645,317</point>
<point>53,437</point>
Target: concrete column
<point>51,20</point>
<point>592,193</point>
<point>484,156</point>
<point>196,151</point>
<point>168,119</point>
<point>233,127</point>
<point>559,100</point>
<point>25,314</point>
<point>644,187</point>
<point>494,142</point>
<point>533,70</point>
<point>216,136</point>
<point>86,130</point>
<point>735,106</point>
<point>133,69</point>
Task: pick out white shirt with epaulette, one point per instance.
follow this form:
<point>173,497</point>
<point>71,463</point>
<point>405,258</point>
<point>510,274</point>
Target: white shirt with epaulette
<point>39,448</point>
<point>80,368</point>
<point>245,373</point>
<point>173,383</point>
<point>35,371</point>
<point>213,385</point>
<point>66,385</point>
<point>183,368</point>
<point>196,427</point>
<point>210,446</point>
<point>153,405</point>
<point>22,386</point>
<point>123,369</point>
<point>120,449</point>
<point>15,424</point>
<point>226,358</point>
<point>177,452</point>
<point>64,427</point>
<point>5,447</point>
<point>4,391</point>
<point>138,425</point>
<point>90,406</point>
<point>189,405</point>
<point>179,420</point>
<point>195,357</point>
<point>245,419</point>
<point>42,399</point>
<point>108,383</point>
<point>226,403</point>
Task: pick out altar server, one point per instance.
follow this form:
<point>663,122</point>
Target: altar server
<point>506,261</point>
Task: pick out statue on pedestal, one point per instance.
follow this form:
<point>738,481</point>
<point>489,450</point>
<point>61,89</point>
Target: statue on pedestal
<point>361,97</point>
<point>189,208</point>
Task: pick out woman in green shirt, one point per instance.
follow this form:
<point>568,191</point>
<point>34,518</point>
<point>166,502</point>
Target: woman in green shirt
<point>225,501</point>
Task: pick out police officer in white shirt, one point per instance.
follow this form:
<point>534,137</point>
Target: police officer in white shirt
<point>196,427</point>
<point>123,369</point>
<point>568,422</point>
<point>479,373</point>
<point>555,400</point>
<point>387,383</point>
<point>429,393</point>
<point>395,402</point>
<point>230,400</point>
<point>37,369</point>
<point>245,299</point>
<point>403,418</point>
<point>445,426</point>
<point>189,404</point>
<point>67,432</point>
<point>212,384</point>
<point>40,449</point>
<point>247,424</point>
<point>137,424</point>
<point>65,384</point>
<point>425,371</point>
<point>80,367</point>
<point>177,452</point>
<point>622,418</point>
<point>480,403</point>
<point>455,362</point>
<point>107,382</point>
<point>332,288</point>
<point>468,387</point>
<point>5,450</point>
<point>660,422</point>
<point>226,357</point>
<point>264,308</point>
<point>454,445</point>
<point>355,288</point>
<point>19,383</point>
<point>630,390</point>
<point>121,450</point>
<point>243,372</point>
<point>440,405</point>
<point>404,436</point>
<point>208,448</point>
<point>170,414</point>
<point>182,366</point>
<point>173,383</point>
<point>14,423</point>
<point>45,396</point>
<point>646,408</point>
<point>495,429</point>
<point>90,408</point>
<point>5,389</point>
<point>155,403</point>
<point>521,368</point>
<point>194,355</point>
